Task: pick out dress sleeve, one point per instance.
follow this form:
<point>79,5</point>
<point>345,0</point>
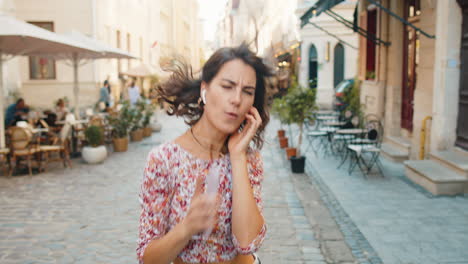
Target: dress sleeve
<point>154,200</point>
<point>255,169</point>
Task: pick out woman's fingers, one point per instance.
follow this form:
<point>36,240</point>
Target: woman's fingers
<point>256,115</point>
<point>198,186</point>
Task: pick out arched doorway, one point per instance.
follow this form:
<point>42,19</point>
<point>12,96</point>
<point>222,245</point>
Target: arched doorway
<point>313,67</point>
<point>338,64</point>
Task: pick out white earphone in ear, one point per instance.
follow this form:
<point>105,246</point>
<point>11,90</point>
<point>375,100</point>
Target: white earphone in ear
<point>203,96</point>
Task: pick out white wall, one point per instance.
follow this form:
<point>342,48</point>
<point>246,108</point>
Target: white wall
<point>101,19</point>
<point>311,35</point>
<point>446,75</point>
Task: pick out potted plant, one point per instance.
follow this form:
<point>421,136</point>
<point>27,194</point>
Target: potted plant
<point>301,106</point>
<point>279,109</point>
<point>95,152</point>
<point>121,123</point>
<point>136,131</point>
<point>148,113</point>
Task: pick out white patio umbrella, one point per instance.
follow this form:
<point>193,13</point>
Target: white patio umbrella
<point>80,58</point>
<point>141,70</point>
<point>18,38</point>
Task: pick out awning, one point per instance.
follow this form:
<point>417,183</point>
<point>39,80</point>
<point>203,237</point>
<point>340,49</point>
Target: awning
<point>333,35</point>
<point>354,26</point>
<point>317,9</point>
<point>404,21</point>
<point>324,6</point>
<point>284,56</point>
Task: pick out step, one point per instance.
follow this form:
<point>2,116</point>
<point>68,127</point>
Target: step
<point>393,153</point>
<point>399,142</point>
<point>461,151</point>
<point>436,178</point>
<point>452,159</point>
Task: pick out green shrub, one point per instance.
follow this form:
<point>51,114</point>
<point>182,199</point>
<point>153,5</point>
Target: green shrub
<point>301,105</point>
<point>94,135</point>
<point>121,122</point>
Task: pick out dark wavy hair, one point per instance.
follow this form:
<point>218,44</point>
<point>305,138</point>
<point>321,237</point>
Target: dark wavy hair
<point>182,90</point>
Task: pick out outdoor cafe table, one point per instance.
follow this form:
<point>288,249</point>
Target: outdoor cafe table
<point>354,132</point>
<point>351,131</point>
<point>334,123</point>
<point>326,118</point>
<point>322,119</point>
<point>326,112</point>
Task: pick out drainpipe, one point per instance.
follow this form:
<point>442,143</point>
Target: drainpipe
<point>422,146</point>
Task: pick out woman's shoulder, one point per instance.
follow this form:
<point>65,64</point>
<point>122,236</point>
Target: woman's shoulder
<point>164,151</point>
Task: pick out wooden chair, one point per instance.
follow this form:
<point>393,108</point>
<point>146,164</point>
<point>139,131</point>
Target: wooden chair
<point>60,146</point>
<point>96,121</point>
<point>21,146</point>
<point>5,160</point>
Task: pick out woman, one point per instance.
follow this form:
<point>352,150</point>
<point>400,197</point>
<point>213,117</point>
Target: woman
<point>61,110</point>
<point>180,222</point>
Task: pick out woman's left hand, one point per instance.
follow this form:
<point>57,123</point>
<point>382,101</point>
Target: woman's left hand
<point>239,141</point>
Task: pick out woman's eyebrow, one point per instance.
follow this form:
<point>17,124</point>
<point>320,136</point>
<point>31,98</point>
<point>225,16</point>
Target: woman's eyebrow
<point>234,83</point>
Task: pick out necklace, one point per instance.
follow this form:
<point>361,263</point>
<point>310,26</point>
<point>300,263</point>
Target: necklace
<point>206,148</point>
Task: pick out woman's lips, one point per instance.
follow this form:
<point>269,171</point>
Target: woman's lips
<point>232,115</point>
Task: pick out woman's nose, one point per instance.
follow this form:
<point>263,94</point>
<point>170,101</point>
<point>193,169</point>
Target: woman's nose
<point>236,97</point>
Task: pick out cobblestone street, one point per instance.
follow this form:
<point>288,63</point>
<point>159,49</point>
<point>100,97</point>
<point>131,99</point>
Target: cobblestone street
<point>89,214</point>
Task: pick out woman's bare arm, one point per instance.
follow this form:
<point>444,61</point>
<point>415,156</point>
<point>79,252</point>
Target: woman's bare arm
<point>246,218</point>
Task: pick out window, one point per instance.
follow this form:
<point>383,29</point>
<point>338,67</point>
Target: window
<point>128,48</point>
<point>367,48</point>
<point>370,46</point>
<point>141,49</point>
<point>41,68</point>
<point>119,65</point>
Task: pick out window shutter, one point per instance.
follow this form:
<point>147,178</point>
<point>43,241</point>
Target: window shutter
<point>362,46</point>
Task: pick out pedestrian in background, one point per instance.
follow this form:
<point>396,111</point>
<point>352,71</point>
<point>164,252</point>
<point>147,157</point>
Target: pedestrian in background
<point>186,218</point>
<point>133,92</point>
<point>105,94</point>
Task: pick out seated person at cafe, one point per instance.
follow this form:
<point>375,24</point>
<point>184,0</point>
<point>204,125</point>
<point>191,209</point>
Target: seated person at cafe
<point>60,110</point>
<point>16,112</point>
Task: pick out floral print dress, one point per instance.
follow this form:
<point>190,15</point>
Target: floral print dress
<point>166,192</point>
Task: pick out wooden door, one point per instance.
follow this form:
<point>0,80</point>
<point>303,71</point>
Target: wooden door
<point>338,64</point>
<point>410,63</point>
<point>462,122</point>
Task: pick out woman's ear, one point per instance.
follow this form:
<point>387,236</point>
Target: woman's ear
<point>203,96</point>
<point>203,87</point>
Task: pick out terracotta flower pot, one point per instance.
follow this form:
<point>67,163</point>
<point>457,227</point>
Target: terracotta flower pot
<point>290,152</point>
<point>120,144</point>
<point>147,131</point>
<point>281,133</point>
<point>283,142</point>
<point>136,135</point>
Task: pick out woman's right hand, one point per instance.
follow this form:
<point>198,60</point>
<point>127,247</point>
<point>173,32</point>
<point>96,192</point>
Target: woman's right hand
<point>202,213</point>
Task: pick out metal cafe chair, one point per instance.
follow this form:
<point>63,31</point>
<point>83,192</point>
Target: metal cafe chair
<point>368,148</point>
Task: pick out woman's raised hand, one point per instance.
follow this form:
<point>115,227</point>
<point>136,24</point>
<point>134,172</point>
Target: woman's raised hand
<point>239,141</point>
<point>202,214</point>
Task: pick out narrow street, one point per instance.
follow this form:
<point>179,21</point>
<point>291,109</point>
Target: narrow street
<point>89,214</point>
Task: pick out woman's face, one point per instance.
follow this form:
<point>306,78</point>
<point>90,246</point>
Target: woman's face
<point>230,95</point>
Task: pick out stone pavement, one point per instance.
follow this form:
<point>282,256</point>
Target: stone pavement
<point>389,219</point>
<point>89,214</point>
